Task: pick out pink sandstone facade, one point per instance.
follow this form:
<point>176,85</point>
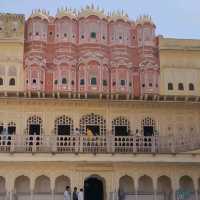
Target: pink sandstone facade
<point>91,54</point>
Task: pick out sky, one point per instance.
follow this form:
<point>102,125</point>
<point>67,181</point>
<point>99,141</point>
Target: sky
<point>173,18</point>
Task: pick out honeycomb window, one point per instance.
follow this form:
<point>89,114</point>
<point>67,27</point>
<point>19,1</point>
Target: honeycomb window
<point>93,81</point>
<point>37,33</point>
<point>65,34</point>
<point>123,82</point>
<point>114,83</point>
<point>55,82</point>
<point>1,81</point>
<point>105,83</point>
<point>72,82</point>
<point>170,86</point>
<point>82,82</point>
<point>191,86</point>
<point>12,82</point>
<point>180,86</point>
<point>34,81</point>
<point>64,81</point>
<point>93,35</point>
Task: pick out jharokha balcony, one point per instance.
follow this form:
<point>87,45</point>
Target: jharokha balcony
<point>98,144</point>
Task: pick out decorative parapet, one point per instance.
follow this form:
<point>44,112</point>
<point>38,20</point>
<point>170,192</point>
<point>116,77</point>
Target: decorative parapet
<point>118,15</point>
<point>12,26</point>
<point>43,14</point>
<point>66,12</point>
<point>179,44</point>
<point>144,20</point>
<point>91,10</point>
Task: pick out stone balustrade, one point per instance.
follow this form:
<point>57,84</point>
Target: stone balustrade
<point>99,144</point>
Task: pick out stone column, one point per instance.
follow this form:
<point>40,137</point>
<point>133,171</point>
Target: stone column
<point>196,185</point>
<point>112,185</point>
<point>136,183</point>
<point>175,186</point>
<point>52,185</point>
<point>32,186</point>
<point>10,187</point>
<point>155,188</point>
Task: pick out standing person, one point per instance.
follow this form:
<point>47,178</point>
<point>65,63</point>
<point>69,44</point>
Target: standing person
<point>75,194</point>
<point>81,195</point>
<point>67,194</point>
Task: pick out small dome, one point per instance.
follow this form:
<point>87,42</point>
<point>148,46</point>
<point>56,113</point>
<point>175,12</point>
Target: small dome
<point>43,14</point>
<point>145,19</point>
<point>91,10</point>
<point>66,12</point>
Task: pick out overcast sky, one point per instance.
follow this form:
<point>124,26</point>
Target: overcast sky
<point>173,18</point>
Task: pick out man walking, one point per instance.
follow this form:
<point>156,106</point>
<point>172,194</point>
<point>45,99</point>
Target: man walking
<point>81,195</point>
<point>75,194</point>
<point>67,194</point>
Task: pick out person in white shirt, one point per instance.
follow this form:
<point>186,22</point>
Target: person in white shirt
<point>81,195</point>
<point>67,195</point>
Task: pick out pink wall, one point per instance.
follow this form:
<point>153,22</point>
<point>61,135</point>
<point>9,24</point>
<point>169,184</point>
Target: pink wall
<point>119,54</point>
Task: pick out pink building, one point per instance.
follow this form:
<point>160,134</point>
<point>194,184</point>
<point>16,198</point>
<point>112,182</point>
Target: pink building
<point>91,54</point>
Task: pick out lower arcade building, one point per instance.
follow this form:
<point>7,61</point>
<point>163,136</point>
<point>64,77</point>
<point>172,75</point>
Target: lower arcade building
<point>112,149</point>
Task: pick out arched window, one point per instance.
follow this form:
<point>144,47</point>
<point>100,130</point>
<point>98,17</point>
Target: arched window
<point>93,122</point>
<point>64,81</point>
<point>170,86</point>
<point>180,86</point>
<point>148,126</point>
<point>12,82</point>
<point>120,126</point>
<point>34,125</point>
<point>126,186</point>
<point>11,128</point>
<point>64,125</point>
<point>1,81</point>
<point>191,86</point>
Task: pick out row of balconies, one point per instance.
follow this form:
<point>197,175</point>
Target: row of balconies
<point>99,144</point>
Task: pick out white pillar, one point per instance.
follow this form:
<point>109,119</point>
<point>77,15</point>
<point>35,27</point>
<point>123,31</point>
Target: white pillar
<point>136,182</point>
<point>10,187</point>
<point>52,185</point>
<point>196,185</point>
<point>175,186</point>
<point>32,185</point>
<point>155,188</point>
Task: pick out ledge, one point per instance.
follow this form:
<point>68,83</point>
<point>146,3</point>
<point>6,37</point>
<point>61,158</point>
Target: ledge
<point>112,97</point>
<point>183,158</point>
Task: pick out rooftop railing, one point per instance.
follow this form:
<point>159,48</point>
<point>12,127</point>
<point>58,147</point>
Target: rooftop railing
<point>99,144</point>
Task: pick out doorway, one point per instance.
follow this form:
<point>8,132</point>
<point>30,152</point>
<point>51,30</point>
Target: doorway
<point>93,189</point>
